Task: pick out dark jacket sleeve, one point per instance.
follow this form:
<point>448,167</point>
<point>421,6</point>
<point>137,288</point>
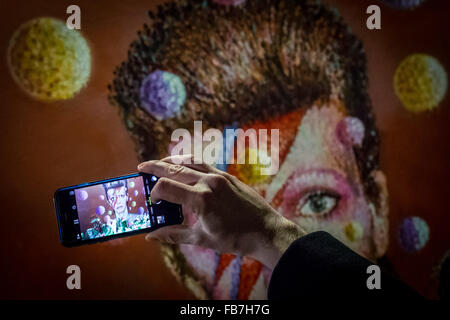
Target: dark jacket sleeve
<point>319,266</point>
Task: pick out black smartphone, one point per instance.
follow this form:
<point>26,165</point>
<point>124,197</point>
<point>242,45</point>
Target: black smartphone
<point>111,208</point>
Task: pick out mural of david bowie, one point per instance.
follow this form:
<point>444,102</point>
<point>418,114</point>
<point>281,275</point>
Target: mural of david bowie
<point>290,65</point>
<point>117,197</point>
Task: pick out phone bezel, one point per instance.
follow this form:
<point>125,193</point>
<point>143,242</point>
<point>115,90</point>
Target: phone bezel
<point>74,243</point>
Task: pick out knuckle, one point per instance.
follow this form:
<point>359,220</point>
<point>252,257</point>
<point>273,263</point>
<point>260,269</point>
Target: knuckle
<point>205,196</point>
<point>173,169</point>
<point>171,238</point>
<point>199,239</point>
<point>217,181</point>
<point>161,185</point>
<point>231,177</point>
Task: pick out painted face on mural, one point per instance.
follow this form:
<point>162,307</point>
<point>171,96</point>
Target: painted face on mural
<point>288,65</point>
<point>319,186</point>
<point>117,198</point>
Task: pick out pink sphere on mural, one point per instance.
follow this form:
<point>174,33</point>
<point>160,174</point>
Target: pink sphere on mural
<point>100,210</point>
<point>141,210</point>
<point>101,197</point>
<point>350,131</point>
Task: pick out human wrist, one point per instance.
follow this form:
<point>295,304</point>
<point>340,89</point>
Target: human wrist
<point>278,234</point>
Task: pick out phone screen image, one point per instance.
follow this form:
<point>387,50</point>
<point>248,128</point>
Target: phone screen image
<point>111,208</point>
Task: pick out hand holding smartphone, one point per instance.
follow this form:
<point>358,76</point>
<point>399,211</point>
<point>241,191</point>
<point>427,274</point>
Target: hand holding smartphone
<point>112,208</point>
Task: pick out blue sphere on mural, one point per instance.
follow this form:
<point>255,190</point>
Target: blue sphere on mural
<point>414,233</point>
<point>162,94</point>
<point>100,210</point>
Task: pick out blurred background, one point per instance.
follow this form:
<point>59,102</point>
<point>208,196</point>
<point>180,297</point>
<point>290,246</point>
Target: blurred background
<point>47,145</point>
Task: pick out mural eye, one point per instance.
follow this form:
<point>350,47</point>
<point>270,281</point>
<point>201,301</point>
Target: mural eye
<point>317,203</point>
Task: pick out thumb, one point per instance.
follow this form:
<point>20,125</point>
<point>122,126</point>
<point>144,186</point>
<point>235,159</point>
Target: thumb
<point>172,234</point>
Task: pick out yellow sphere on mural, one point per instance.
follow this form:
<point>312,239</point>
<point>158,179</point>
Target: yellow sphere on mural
<point>249,172</point>
<point>48,60</point>
<point>354,231</point>
<point>420,82</point>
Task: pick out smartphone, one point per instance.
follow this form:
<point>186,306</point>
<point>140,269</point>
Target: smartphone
<point>112,208</point>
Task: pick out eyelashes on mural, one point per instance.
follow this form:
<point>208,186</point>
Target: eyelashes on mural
<point>314,193</point>
<point>318,203</point>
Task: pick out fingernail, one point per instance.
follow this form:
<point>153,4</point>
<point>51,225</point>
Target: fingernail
<point>140,166</point>
<point>148,238</point>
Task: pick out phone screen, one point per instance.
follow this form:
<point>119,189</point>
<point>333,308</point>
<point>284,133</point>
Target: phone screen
<point>111,208</point>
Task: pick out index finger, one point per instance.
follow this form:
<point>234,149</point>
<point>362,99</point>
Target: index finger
<point>173,191</point>
<point>176,172</point>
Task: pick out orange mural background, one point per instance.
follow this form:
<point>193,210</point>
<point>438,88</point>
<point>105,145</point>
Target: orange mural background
<point>49,145</point>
